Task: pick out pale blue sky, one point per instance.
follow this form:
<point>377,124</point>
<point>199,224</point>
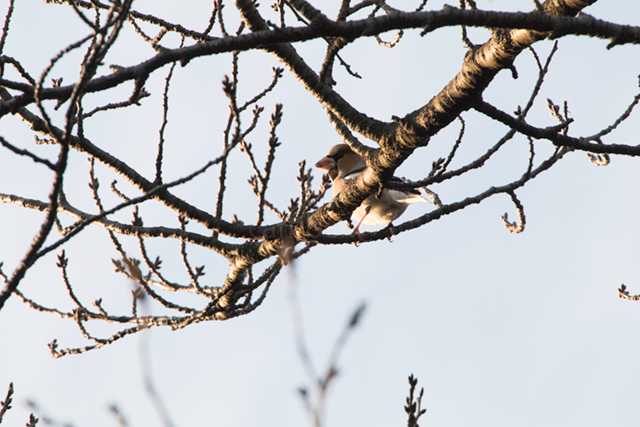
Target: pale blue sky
<point>500,329</point>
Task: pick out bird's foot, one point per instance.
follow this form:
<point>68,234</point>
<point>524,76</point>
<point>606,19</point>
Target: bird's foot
<point>392,231</point>
<point>356,230</point>
<point>356,234</point>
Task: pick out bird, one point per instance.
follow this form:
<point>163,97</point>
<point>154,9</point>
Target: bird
<point>343,166</point>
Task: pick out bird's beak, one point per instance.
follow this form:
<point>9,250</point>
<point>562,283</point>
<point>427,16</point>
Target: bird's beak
<point>326,163</point>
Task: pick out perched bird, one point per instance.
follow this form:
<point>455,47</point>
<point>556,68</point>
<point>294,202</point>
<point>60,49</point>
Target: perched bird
<point>343,166</point>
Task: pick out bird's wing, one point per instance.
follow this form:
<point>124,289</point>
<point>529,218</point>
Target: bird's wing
<point>352,175</point>
<point>411,195</point>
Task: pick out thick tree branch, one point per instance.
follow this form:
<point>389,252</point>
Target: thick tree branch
<point>477,72</point>
<point>302,221</point>
<point>528,22</point>
<point>482,64</point>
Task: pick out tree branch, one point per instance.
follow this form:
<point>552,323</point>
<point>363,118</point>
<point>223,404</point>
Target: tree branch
<point>552,134</point>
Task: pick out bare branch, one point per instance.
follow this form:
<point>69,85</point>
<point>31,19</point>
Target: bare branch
<point>554,135</point>
<point>413,403</point>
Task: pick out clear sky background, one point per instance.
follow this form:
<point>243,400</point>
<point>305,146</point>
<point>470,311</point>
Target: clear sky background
<point>501,329</point>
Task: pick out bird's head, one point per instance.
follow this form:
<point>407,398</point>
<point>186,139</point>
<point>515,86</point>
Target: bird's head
<point>340,161</point>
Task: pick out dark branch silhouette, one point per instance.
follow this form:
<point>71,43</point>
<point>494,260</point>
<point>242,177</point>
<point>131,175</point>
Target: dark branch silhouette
<point>257,248</point>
